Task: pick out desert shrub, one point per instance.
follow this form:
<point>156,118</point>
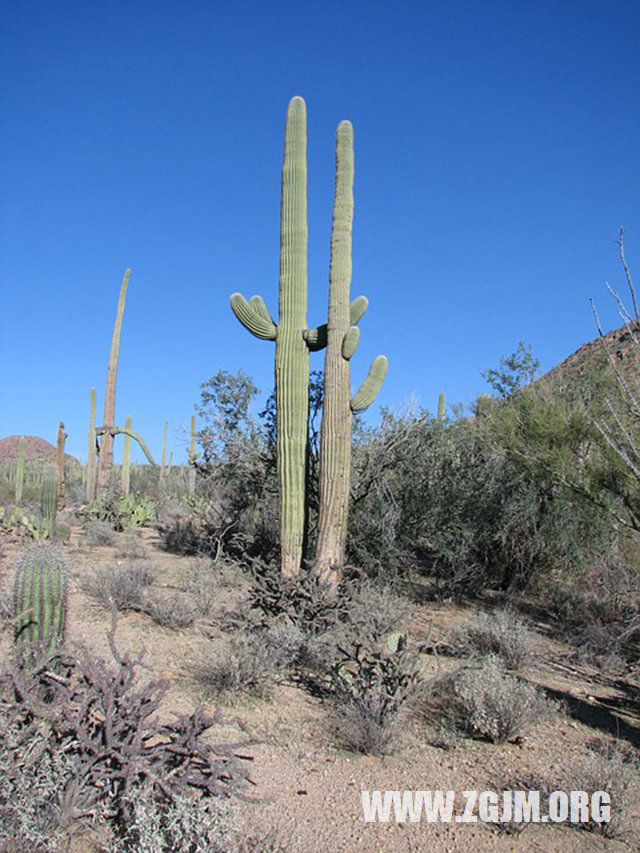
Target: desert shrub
<point>170,611</point>
<point>370,689</point>
<point>499,633</point>
<point>80,738</point>
<point>99,533</point>
<point>375,611</point>
<point>129,547</point>
<point>184,824</point>
<point>610,767</point>
<point>201,580</point>
<point>484,701</point>
<point>247,667</point>
<point>304,601</point>
<point>122,587</point>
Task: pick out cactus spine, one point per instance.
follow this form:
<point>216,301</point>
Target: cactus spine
<point>338,405</point>
<point>106,447</point>
<point>20,470</point>
<point>292,349</point>
<point>125,474</point>
<point>91,450</point>
<point>40,598</point>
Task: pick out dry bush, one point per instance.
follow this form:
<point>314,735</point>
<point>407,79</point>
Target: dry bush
<point>99,533</point>
<point>247,667</point>
<point>370,690</point>
<point>499,633</point>
<point>121,587</point>
<point>484,701</point>
<point>613,768</point>
<point>170,611</point>
<point>80,738</point>
<point>129,547</point>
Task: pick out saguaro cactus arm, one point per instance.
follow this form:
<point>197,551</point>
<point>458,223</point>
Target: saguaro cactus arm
<point>368,391</point>
<point>316,338</point>
<point>119,430</point>
<point>254,316</point>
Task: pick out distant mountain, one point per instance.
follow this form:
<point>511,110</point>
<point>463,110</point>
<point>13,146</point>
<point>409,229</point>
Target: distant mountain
<point>35,450</point>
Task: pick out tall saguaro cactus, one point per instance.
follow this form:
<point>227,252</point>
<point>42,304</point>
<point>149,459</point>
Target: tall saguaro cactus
<point>106,447</point>
<point>60,441</point>
<point>339,406</point>
<point>91,450</point>
<point>292,350</point>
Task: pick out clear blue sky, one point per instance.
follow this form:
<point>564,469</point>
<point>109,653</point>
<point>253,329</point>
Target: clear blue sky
<point>496,157</point>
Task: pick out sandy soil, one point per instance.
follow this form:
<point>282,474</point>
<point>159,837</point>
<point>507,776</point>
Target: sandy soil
<point>309,791</point>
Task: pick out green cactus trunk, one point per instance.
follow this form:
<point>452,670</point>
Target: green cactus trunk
<point>40,599</point>
<point>192,458</point>
<point>91,451</point>
<point>292,348</point>
<point>60,442</point>
<point>20,470</point>
<point>106,447</point>
<point>163,459</point>
<point>292,354</point>
<point>125,474</point>
<point>338,406</point>
<point>49,499</point>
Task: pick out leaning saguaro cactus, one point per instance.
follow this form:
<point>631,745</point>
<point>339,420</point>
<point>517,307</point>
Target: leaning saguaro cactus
<point>40,598</point>
<point>338,404</point>
<point>106,447</point>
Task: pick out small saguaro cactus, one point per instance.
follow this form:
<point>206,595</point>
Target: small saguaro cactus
<point>193,457</point>
<point>20,470</point>
<point>338,405</point>
<point>91,451</point>
<point>49,499</point>
<point>60,442</point>
<point>163,458</point>
<point>442,407</point>
<point>40,598</point>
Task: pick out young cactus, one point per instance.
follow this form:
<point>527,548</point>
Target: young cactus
<point>49,499</point>
<point>20,470</point>
<point>40,598</point>
<point>339,406</point>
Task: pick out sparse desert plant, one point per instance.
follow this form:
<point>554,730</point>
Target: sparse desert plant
<point>499,633</point>
<point>182,824</point>
<point>121,587</point>
<point>484,701</point>
<point>129,547</point>
<point>306,600</point>
<point>249,666</point>
<point>375,612</point>
<point>80,738</point>
<point>371,688</point>
<point>99,533</point>
<point>170,611</point>
<point>614,768</point>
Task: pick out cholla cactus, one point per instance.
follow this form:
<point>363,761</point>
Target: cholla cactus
<point>40,597</point>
